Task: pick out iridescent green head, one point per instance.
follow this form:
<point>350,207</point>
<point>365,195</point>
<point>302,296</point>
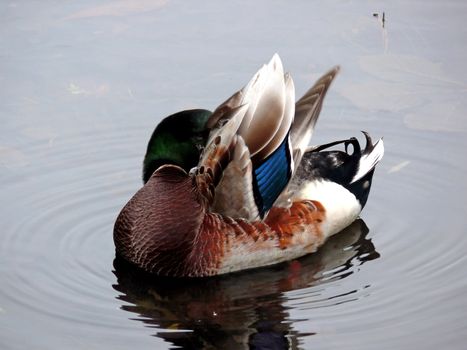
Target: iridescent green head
<point>177,140</point>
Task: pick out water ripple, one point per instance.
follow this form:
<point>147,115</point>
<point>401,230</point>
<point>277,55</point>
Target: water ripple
<point>57,256</point>
<point>60,255</point>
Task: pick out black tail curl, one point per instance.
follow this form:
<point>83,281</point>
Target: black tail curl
<point>340,167</point>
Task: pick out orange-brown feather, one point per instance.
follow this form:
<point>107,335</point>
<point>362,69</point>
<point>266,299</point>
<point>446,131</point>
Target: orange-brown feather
<point>174,234</point>
<point>301,215</point>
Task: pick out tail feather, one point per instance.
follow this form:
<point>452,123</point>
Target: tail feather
<point>352,170</point>
<point>371,155</point>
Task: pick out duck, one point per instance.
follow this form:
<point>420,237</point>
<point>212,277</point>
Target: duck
<point>241,187</point>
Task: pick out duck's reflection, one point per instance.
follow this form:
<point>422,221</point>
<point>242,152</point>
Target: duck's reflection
<point>242,310</point>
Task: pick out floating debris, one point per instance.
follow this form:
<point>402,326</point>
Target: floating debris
<point>383,18</point>
<point>76,90</point>
<point>399,167</point>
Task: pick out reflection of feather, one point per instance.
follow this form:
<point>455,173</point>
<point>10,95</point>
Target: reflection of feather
<point>231,311</point>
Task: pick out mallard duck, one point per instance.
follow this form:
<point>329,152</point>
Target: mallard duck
<point>241,188</point>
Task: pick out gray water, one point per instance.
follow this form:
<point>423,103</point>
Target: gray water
<point>82,85</point>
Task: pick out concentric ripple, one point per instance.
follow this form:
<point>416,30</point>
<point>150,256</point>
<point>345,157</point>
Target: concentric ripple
<point>58,262</point>
<point>80,83</point>
<point>57,253</point>
<point>57,248</point>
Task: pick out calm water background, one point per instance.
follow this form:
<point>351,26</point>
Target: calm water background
<point>82,85</point>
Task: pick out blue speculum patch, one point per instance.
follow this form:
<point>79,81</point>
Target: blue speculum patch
<point>271,177</point>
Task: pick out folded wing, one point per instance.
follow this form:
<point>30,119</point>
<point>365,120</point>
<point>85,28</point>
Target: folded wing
<point>266,147</point>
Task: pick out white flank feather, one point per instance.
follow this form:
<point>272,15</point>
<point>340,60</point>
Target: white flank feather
<point>342,207</point>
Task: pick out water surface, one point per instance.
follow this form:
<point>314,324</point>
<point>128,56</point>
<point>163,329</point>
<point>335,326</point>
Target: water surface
<point>82,86</point>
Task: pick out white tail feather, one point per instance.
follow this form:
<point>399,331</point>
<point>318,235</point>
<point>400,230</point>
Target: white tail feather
<point>368,161</point>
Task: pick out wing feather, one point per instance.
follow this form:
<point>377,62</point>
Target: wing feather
<point>258,137</point>
<point>234,194</point>
<point>307,111</point>
<point>218,154</point>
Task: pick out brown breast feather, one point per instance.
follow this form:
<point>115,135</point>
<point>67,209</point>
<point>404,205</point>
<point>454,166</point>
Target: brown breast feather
<point>166,229</point>
<point>156,228</point>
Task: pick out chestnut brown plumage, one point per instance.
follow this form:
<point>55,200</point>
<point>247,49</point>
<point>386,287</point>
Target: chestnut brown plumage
<point>257,196</point>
